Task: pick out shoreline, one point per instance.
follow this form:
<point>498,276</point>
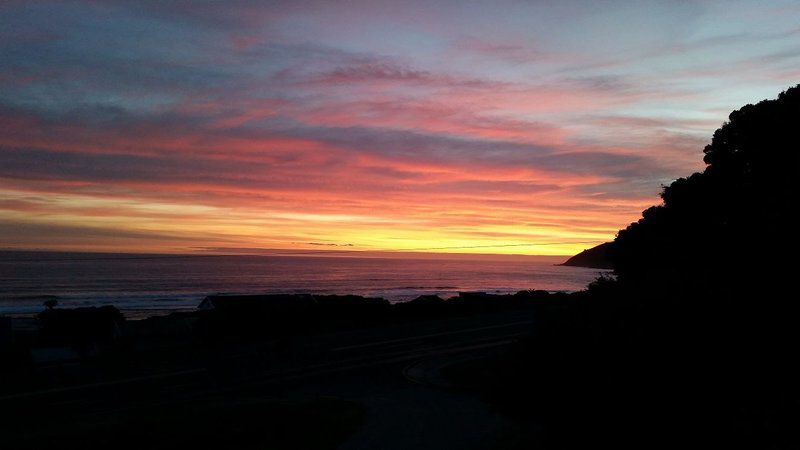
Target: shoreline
<point>190,302</point>
<point>137,286</point>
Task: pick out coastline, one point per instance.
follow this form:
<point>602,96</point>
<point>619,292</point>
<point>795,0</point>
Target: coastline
<point>145,285</point>
<point>190,304</point>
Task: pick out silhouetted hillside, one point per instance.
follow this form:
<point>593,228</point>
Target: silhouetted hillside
<point>688,347</point>
<point>595,258</point>
<point>728,226</point>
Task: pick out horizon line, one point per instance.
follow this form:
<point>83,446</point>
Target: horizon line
<point>255,251</point>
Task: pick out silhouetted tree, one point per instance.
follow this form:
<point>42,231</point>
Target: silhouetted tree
<point>729,227</point>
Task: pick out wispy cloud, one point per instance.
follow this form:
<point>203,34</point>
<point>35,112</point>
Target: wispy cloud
<point>173,126</point>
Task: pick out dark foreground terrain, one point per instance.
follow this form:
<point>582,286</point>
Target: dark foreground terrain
<point>234,376</point>
<point>692,344</point>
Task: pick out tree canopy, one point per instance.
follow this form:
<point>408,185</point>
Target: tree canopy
<point>731,226</point>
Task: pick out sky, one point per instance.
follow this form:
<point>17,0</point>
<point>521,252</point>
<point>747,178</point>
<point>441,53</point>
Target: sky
<point>526,127</point>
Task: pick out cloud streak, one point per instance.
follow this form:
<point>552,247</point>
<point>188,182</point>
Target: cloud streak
<point>174,126</point>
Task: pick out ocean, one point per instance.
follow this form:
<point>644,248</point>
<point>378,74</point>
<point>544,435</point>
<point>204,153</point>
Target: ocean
<point>146,285</point>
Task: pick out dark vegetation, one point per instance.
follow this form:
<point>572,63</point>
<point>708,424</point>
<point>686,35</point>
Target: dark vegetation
<point>84,329</point>
<point>318,424</point>
<point>100,338</point>
<point>265,316</point>
<point>692,344</point>
<point>337,310</point>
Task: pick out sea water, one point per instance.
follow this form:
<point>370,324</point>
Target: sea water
<point>144,285</point>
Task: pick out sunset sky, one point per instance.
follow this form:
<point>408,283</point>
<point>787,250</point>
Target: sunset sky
<point>530,127</point>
